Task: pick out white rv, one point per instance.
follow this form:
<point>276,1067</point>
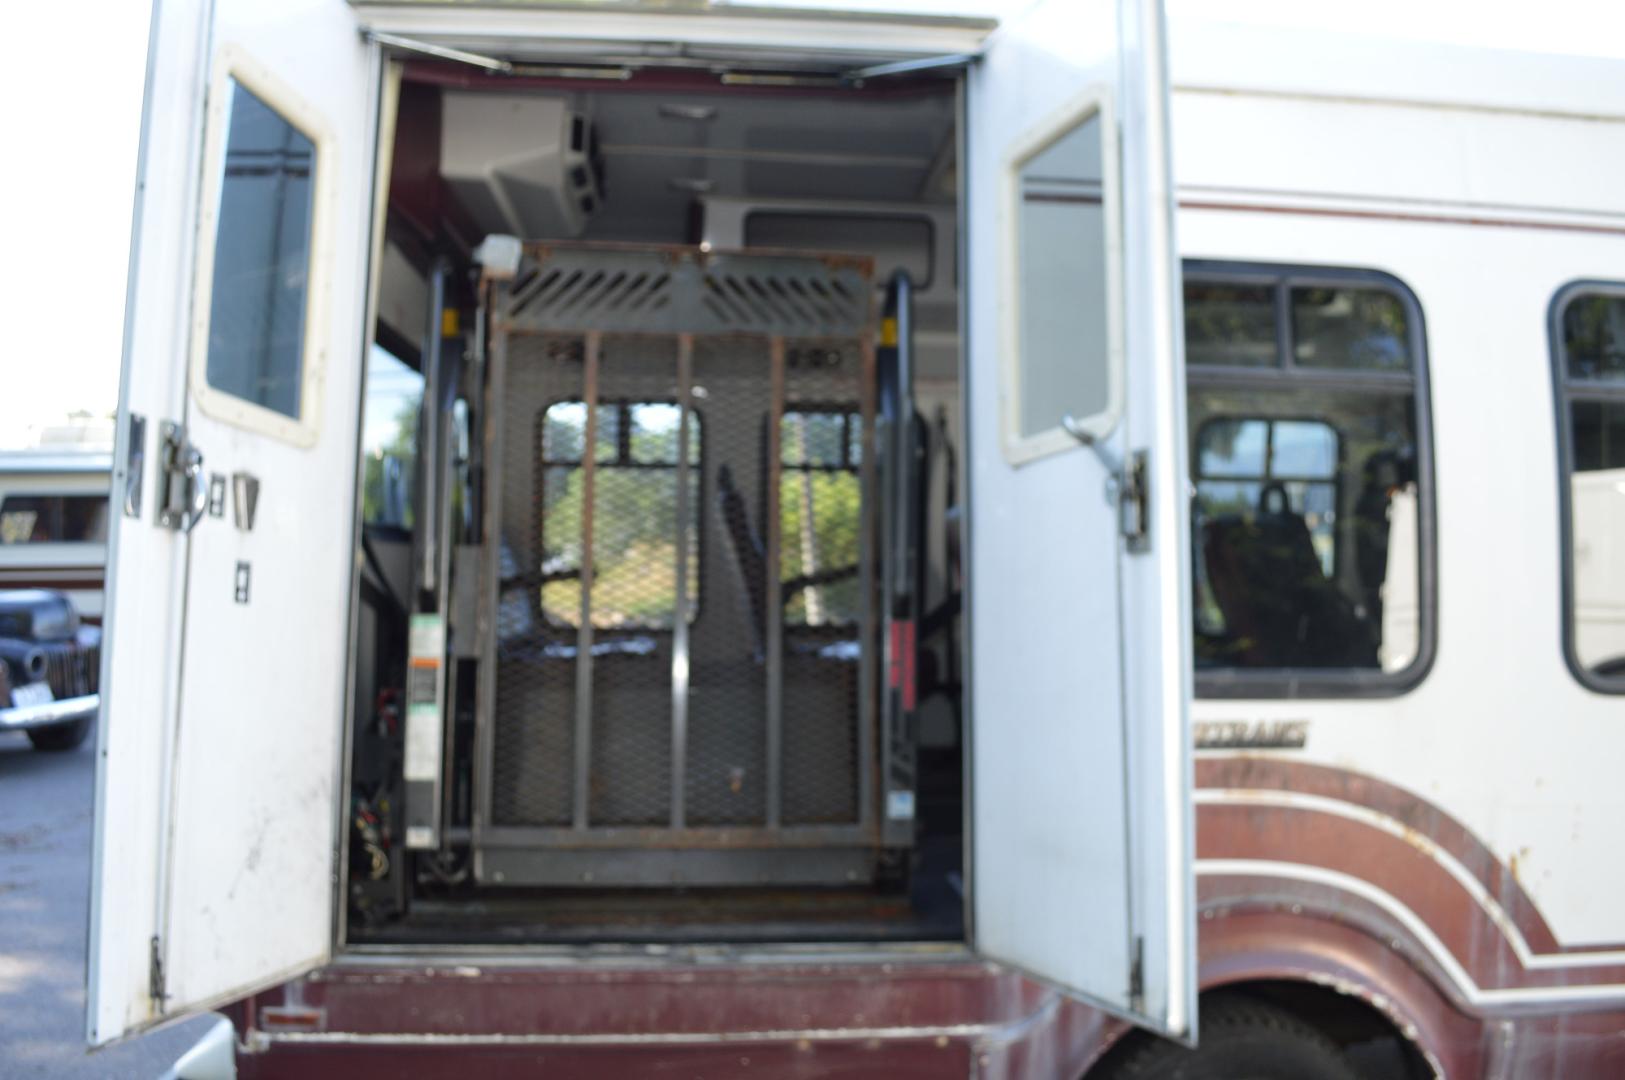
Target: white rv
<point>691,535</point>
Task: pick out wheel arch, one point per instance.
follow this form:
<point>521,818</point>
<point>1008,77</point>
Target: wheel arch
<point>1317,963</point>
<point>1345,980</point>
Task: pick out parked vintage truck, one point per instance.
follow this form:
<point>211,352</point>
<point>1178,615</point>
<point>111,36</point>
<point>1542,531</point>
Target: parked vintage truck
<point>50,665</point>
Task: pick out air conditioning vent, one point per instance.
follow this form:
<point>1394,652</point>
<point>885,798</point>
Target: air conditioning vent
<point>522,164</point>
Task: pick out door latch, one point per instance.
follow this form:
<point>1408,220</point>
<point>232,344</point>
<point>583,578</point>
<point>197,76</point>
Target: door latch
<point>156,989</point>
<point>183,495</point>
<point>135,463</point>
<point>1128,485</point>
<point>1134,502</point>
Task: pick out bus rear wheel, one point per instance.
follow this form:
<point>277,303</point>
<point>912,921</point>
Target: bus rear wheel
<point>1241,1039</point>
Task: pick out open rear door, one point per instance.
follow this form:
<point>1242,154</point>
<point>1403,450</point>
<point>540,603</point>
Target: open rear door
<point>217,788</point>
<point>1081,846</point>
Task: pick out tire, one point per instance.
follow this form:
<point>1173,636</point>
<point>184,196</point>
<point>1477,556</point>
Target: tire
<point>61,737</point>
<point>1240,1039</point>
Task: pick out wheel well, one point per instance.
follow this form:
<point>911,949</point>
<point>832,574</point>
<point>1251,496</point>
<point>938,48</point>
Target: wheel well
<point>1370,1039</point>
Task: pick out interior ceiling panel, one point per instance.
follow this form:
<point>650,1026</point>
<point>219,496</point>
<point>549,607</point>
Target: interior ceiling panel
<point>775,179</point>
<point>661,150</point>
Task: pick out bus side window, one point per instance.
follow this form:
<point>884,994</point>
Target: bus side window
<point>1306,399</point>
<point>47,519</point>
<point>1589,352</point>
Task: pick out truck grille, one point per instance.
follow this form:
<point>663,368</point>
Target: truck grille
<point>72,667</point>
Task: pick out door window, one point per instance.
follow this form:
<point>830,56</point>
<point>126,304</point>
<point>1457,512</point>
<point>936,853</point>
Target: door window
<point>260,267</point>
<point>261,258</point>
<point>1064,359</point>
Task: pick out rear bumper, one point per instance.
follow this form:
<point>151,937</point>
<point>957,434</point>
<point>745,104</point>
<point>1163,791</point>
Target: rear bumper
<point>49,714</point>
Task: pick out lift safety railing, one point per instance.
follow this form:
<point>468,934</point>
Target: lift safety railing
<point>900,434</point>
<point>796,331</point>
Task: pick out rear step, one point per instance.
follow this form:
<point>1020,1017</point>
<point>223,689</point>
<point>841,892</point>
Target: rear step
<point>930,1017</point>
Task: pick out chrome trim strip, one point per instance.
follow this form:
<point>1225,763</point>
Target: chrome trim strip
<point>28,717</point>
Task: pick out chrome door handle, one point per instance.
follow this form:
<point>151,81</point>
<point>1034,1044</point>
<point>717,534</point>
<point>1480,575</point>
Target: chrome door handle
<point>183,496</point>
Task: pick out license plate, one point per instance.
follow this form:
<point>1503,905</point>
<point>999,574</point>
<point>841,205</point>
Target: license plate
<point>33,694</point>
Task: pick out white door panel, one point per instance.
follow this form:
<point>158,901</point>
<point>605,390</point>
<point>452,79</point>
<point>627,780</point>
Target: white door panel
<point>217,832</point>
<point>145,566</point>
<point>1081,811</point>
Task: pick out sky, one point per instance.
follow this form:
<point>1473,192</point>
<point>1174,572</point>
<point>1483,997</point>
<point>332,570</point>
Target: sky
<point>79,69</point>
<point>72,80</point>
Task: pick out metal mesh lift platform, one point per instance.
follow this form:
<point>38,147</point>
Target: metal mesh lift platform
<point>679,602</point>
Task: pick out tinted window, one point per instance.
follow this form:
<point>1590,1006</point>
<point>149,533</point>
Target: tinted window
<point>1309,491</point>
<point>1593,338</point>
<point>53,519</point>
<point>634,513</point>
<point>261,258</point>
<point>1350,329</point>
<point>1230,324</point>
<point>1591,380</point>
<point>1063,354</point>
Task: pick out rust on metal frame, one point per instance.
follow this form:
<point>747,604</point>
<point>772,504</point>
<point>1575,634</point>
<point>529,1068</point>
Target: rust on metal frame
<point>539,251</point>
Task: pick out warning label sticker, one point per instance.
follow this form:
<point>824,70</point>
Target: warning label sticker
<point>422,742</point>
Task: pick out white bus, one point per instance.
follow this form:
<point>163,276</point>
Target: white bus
<point>738,539</point>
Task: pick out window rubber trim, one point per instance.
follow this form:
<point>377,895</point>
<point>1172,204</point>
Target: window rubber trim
<point>1563,395</point>
<point>235,65</point>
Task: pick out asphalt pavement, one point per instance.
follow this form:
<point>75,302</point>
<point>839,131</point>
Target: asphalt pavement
<point>45,825</point>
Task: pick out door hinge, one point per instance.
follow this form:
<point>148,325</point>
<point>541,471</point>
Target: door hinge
<point>1134,502</point>
<point>135,463</point>
<point>155,975</point>
<point>1136,976</point>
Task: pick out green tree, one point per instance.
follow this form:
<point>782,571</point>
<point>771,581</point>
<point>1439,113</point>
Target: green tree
<point>402,446</point>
